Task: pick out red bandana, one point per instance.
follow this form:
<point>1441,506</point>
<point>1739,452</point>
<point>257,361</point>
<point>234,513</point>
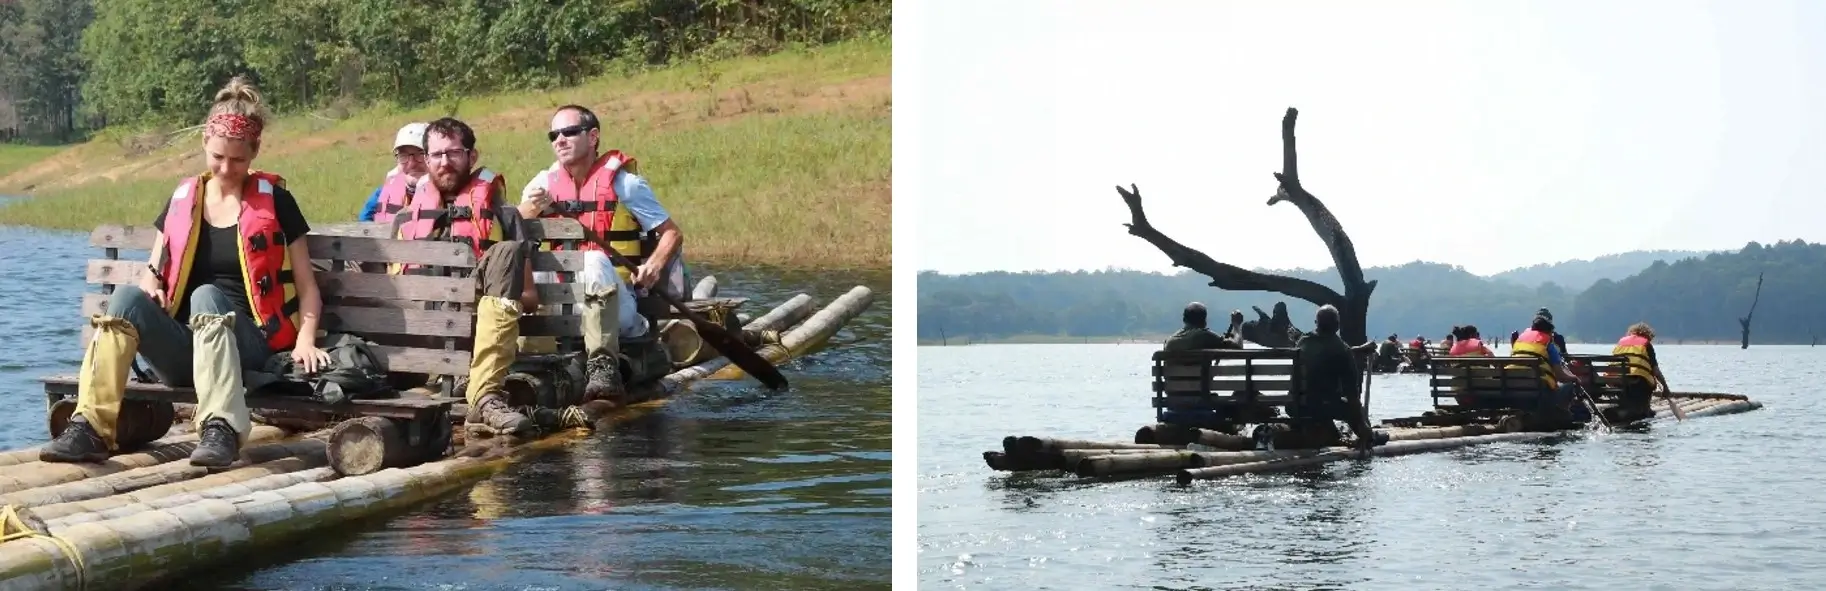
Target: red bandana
<point>234,127</point>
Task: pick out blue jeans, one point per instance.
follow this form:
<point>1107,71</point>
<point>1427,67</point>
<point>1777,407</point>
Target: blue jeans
<point>1567,396</point>
<point>166,343</point>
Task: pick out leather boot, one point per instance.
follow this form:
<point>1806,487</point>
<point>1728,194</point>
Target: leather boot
<point>103,381</point>
<point>602,344</point>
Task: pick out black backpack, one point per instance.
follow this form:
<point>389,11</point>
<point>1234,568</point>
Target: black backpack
<point>354,372</point>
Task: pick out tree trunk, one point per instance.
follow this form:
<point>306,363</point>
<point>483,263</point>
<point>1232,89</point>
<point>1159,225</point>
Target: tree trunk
<point>1745,321</point>
<point>1352,305</point>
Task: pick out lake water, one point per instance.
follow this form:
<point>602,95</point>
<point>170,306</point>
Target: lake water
<point>1723,502</point>
<point>725,488</point>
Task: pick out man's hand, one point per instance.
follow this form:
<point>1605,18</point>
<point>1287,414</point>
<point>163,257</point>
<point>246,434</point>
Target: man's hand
<point>645,276</point>
<point>534,203</point>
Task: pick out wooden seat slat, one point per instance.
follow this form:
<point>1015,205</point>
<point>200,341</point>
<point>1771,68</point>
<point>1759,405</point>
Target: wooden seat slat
<point>1197,402</point>
<point>1221,385</point>
<point>400,408</point>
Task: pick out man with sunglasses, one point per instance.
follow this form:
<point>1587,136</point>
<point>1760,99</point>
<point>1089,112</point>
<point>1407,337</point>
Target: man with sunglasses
<point>395,191</point>
<point>604,192</point>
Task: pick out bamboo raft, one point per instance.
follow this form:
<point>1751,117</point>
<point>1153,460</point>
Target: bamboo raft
<point>1166,450</point>
<point>141,519</point>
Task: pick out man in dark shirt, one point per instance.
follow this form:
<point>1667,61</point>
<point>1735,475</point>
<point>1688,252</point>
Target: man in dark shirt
<point>1195,336</point>
<point>1330,376</point>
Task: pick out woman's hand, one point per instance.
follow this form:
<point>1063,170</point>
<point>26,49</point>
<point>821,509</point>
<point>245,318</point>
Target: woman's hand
<point>154,289</point>
<point>311,357</point>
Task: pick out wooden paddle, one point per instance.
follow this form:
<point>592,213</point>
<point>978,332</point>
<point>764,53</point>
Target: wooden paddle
<point>714,334</point>
<point>1667,393</point>
<point>1593,403</point>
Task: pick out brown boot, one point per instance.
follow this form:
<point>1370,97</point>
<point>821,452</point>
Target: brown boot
<point>492,416</point>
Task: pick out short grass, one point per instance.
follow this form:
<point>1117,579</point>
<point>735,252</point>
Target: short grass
<point>14,158</point>
<point>777,160</point>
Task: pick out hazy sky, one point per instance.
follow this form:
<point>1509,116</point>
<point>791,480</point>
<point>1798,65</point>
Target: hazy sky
<point>1551,130</point>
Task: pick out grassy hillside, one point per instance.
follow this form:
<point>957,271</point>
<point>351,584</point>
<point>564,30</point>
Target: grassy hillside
<point>783,159</point>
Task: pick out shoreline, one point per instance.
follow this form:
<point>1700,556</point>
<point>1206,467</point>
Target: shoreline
<point>710,136</point>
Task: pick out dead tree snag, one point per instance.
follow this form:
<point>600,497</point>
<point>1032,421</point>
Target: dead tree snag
<point>1745,321</point>
<point>1353,304</point>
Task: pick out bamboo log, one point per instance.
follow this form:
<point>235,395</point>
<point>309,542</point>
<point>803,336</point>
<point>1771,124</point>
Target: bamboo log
<point>1180,435</point>
<point>1403,434</point>
<point>1113,464</point>
<point>179,433</point>
<point>158,544</point>
<point>365,445</point>
<point>36,474</point>
<point>1002,462</point>
<point>1039,445</point>
<point>1391,449</point>
<point>112,506</point>
<point>295,471</point>
<point>149,476</point>
<point>813,333</point>
<point>1725,408</point>
<point>786,314</point>
<point>705,289</point>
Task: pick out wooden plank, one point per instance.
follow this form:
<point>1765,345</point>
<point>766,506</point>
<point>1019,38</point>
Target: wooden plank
<point>1193,371</point>
<point>424,361</point>
<point>569,261</point>
<point>379,250</point>
<point>1513,383</point>
<point>1219,385</point>
<point>1489,372</point>
<point>334,284</point>
<point>118,236</point>
<point>1224,354</point>
<point>401,408</point>
<point>554,325</point>
<point>1487,361</point>
<point>1198,401</point>
<point>360,320</point>
<point>398,287</point>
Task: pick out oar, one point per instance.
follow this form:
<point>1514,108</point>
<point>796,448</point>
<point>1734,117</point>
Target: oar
<point>1593,403</point>
<point>714,334</point>
<point>1667,393</point>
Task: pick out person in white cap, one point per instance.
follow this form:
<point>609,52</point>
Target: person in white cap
<point>395,191</point>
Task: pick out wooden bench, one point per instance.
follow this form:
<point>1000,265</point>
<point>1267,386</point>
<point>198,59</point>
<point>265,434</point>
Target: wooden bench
<point>1488,381</point>
<point>1236,382</point>
<point>1603,375</point>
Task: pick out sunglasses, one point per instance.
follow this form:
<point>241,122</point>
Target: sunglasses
<point>572,131</point>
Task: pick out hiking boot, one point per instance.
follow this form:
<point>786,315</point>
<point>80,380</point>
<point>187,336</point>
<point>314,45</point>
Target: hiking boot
<point>77,443</point>
<point>492,416</point>
<point>217,445</point>
<point>602,379</point>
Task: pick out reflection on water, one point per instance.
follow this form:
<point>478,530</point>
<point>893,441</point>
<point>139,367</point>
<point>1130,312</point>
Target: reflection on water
<point>1713,503</point>
<point>728,487</point>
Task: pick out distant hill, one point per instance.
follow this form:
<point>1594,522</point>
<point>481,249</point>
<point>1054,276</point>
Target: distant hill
<point>1684,294</point>
<point>1578,275</point>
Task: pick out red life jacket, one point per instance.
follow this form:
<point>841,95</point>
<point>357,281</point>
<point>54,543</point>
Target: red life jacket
<point>266,267</point>
<point>469,217</point>
<point>393,196</point>
<point>597,207</point>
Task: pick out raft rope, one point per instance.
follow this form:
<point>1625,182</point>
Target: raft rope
<point>574,417</point>
<point>13,527</point>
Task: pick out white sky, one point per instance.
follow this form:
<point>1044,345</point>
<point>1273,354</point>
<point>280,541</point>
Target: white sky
<point>1618,125</point>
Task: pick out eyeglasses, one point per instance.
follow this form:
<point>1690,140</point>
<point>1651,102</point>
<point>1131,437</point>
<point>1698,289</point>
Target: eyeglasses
<point>572,131</point>
<point>408,156</point>
<point>447,154</point>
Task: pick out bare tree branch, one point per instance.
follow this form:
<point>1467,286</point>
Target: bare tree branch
<point>1223,276</point>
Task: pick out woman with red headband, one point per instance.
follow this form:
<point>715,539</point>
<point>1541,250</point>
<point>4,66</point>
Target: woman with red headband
<point>230,284</point>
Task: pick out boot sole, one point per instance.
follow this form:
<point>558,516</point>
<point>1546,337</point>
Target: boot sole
<point>94,458</point>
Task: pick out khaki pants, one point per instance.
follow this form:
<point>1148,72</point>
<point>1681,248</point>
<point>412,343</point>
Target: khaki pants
<point>210,353</point>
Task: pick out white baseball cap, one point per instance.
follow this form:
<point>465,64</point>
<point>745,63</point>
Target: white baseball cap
<point>413,134</point>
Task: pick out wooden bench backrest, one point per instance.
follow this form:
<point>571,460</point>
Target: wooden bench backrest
<point>1607,371</point>
<point>391,310</point>
<point>1213,378</point>
<point>1487,377</point>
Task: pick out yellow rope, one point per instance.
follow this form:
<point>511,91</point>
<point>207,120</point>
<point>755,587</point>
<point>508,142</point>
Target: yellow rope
<point>13,527</point>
